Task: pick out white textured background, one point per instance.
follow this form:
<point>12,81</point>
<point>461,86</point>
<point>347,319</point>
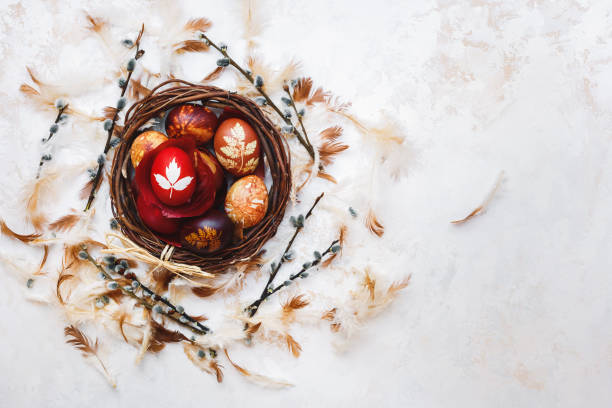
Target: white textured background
<point>511,309</point>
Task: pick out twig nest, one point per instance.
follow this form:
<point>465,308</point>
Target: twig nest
<point>144,143</point>
<point>191,120</point>
<point>237,147</point>
<point>246,202</point>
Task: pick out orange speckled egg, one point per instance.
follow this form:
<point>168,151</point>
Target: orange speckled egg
<point>237,147</point>
<point>191,120</point>
<point>144,143</point>
<point>246,202</point>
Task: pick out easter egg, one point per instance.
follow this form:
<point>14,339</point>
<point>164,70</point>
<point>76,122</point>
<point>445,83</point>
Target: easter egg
<point>152,217</point>
<point>246,201</point>
<point>144,143</point>
<point>237,147</point>
<point>191,120</point>
<point>205,158</point>
<point>208,233</point>
<point>173,177</point>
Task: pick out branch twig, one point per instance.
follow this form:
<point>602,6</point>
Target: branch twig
<point>61,107</point>
<point>249,76</point>
<point>299,225</point>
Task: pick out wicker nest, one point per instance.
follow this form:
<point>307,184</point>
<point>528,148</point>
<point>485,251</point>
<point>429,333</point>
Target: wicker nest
<point>273,146</point>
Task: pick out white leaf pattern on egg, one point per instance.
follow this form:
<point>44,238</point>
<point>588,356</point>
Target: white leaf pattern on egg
<point>171,181</point>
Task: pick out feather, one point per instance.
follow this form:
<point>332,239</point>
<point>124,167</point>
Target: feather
<point>146,338</point>
<point>485,203</point>
<point>198,24</point>
<point>35,199</point>
<point>95,24</point>
<point>291,305</point>
<point>161,278</point>
<point>252,23</point>
<point>43,261</point>
<point>293,346</point>
<point>341,238</point>
<point>190,46</point>
<point>330,146</point>
<point>81,342</point>
<point>63,277</point>
<point>258,378</point>
<point>65,223</point>
<point>109,112</point>
<point>162,335</point>
<point>303,92</point>
<point>253,328</point>
<point>213,75</point>
<point>370,284</point>
<point>138,90</point>
<point>25,238</point>
<point>207,365</point>
<point>204,291</point>
<point>326,176</point>
<point>373,224</point>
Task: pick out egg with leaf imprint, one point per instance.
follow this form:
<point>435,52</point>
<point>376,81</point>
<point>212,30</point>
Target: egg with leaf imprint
<point>191,120</point>
<point>237,147</point>
<point>144,143</point>
<point>208,233</point>
<point>246,201</point>
<point>173,176</point>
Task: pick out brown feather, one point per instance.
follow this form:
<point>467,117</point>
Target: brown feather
<point>138,90</point>
<point>253,328</point>
<point>373,224</point>
<point>293,346</point>
<point>80,341</point>
<point>161,278</point>
<point>198,24</point>
<point>482,207</point>
<point>329,150</point>
<point>301,90</point>
<point>341,238</point>
<point>190,46</point>
<point>370,284</point>
<point>28,90</point>
<point>397,286</point>
<point>63,277</point>
<point>291,305</point>
<point>43,261</point>
<point>324,175</point>
<point>95,24</point>
<point>25,238</point>
<point>204,291</point>
<point>65,223</point>
<point>121,321</point>
<point>109,112</point>
<point>163,335</point>
<point>209,366</point>
<point>213,75</point>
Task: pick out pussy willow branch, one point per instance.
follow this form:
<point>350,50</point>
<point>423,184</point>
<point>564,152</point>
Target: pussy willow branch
<point>249,77</point>
<point>276,268</point>
<point>297,114</point>
<point>199,329</point>
<point>107,146</point>
<point>60,111</point>
<point>252,308</point>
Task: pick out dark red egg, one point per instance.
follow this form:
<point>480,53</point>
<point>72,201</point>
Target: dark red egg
<point>208,233</point>
<point>153,218</point>
<point>191,120</point>
<point>205,158</point>
<point>173,177</point>
<point>237,147</point>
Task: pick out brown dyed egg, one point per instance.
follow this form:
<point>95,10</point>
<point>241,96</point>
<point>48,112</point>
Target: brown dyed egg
<point>191,120</point>
<point>208,233</point>
<point>144,143</point>
<point>246,202</point>
<point>237,147</point>
<point>206,158</point>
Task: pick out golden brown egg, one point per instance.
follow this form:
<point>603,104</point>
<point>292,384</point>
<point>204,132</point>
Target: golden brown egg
<point>246,202</point>
<point>237,147</point>
<point>144,143</point>
<point>191,120</point>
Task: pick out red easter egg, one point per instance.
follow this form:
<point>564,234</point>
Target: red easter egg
<point>153,218</point>
<point>191,120</point>
<point>208,233</point>
<point>173,177</point>
<point>237,147</point>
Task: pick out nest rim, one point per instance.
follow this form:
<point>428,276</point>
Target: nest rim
<point>275,153</point>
